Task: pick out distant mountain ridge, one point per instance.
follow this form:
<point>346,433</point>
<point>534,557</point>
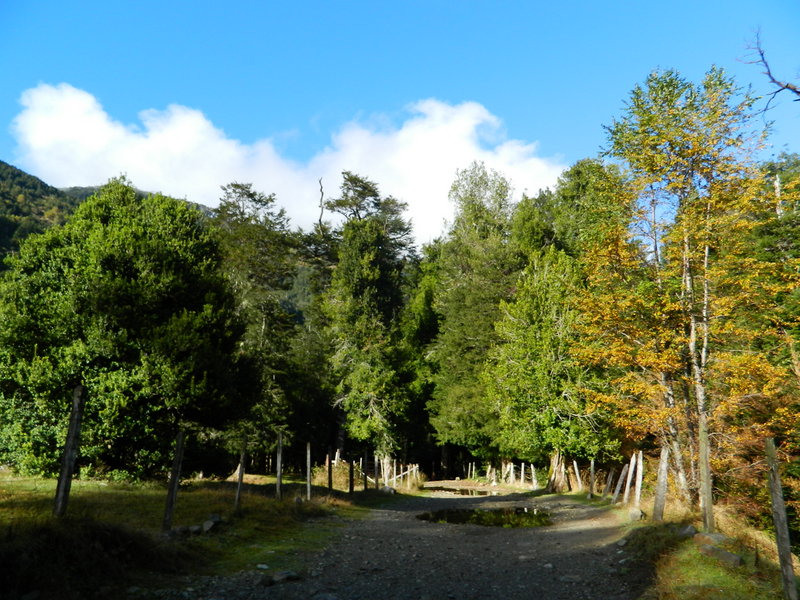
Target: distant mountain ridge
<point>29,205</point>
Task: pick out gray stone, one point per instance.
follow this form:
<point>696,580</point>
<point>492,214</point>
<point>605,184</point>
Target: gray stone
<point>388,490</point>
<point>195,529</point>
<point>688,531</point>
<point>728,558</point>
<point>547,566</point>
<point>262,566</point>
<point>636,514</point>
<point>208,525</point>
<point>282,576</point>
<point>215,518</point>
<point>622,542</point>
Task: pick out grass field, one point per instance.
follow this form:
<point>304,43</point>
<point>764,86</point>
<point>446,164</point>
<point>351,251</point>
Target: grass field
<point>111,536</point>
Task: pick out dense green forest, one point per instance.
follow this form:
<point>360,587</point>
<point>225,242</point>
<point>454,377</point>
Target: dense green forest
<point>649,301</point>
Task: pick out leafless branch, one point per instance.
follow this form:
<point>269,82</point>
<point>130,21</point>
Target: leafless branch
<point>761,59</point>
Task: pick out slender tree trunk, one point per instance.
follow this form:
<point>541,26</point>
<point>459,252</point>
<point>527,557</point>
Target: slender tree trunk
<point>70,454</point>
<point>674,437</point>
<point>174,482</point>
<point>781,525</point>
<point>698,356</point>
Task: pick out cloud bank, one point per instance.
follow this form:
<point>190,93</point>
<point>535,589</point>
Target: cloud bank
<point>65,137</point>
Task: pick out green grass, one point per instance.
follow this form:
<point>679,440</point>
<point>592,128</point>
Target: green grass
<point>686,574</point>
<point>111,537</point>
<point>682,572</point>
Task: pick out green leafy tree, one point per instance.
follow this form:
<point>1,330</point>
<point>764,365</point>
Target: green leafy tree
<point>260,259</point>
<point>363,305</point>
<point>128,300</point>
<point>477,268</point>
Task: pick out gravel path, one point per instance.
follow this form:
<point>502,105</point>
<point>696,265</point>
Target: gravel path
<point>394,555</point>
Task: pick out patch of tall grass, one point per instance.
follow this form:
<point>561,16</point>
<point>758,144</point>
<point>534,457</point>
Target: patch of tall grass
<point>112,536</point>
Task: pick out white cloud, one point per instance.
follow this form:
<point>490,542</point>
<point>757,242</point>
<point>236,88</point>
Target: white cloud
<point>65,137</point>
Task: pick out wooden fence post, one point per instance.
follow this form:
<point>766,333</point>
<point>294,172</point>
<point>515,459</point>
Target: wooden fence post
<point>364,470</point>
<point>240,478</point>
<point>279,465</point>
<point>609,482</point>
<point>352,482</point>
<point>781,524</point>
<point>639,472</point>
<point>577,475</point>
<point>631,471</point>
<point>329,464</point>
<point>591,480</point>
<point>661,484</point>
<point>619,483</point>
<point>308,470</point>
<point>70,452</point>
<point>174,482</point>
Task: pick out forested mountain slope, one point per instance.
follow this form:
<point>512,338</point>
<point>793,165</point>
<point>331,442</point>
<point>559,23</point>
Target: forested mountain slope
<point>28,205</point>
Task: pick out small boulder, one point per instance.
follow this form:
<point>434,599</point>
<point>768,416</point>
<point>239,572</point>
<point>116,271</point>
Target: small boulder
<point>282,576</point>
<point>208,525</point>
<point>636,514</point>
<point>688,531</point>
<point>388,490</point>
<point>725,557</point>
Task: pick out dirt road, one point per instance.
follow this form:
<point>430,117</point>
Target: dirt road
<point>394,555</point>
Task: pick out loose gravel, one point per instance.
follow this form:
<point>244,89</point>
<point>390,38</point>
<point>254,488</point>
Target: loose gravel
<point>394,555</point>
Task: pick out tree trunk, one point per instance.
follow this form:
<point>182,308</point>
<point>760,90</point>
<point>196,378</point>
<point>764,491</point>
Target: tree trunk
<point>706,497</point>
<point>70,454</point>
<point>557,480</point>
<point>781,525</point>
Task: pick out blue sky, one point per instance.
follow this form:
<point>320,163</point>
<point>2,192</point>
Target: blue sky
<point>186,96</point>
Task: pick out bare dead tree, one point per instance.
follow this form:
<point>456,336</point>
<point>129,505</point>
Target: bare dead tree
<point>321,202</point>
<point>781,86</point>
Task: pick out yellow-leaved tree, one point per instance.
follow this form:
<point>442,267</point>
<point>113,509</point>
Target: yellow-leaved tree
<point>669,288</point>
